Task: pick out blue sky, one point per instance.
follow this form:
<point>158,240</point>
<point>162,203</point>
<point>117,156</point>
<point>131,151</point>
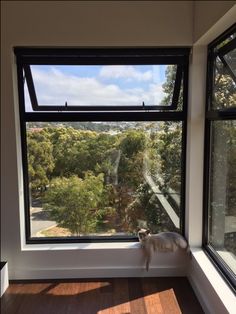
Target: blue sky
<point>98,85</point>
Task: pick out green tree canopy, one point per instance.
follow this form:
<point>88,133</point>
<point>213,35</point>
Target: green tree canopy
<point>133,144</point>
<point>40,159</point>
<point>70,150</point>
<point>169,148</point>
<point>73,202</point>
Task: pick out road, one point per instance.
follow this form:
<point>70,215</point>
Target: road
<point>39,220</point>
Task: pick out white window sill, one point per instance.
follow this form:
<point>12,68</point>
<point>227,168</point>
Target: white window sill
<point>218,284</point>
<point>81,246</point>
<point>229,258</point>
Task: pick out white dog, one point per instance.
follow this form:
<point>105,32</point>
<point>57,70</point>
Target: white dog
<point>164,241</point>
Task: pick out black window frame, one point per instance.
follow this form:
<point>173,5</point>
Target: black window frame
<point>99,56</point>
<point>212,115</point>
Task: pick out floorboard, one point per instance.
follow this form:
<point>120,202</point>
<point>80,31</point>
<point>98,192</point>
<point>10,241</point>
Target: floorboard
<point>105,296</point>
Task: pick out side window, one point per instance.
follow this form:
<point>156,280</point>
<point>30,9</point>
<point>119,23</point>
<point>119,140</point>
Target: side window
<point>220,162</point>
<point>103,141</point>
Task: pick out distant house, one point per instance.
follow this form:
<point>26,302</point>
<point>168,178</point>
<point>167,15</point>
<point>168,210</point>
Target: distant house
<point>35,129</point>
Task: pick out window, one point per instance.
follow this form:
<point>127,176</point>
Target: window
<point>220,161</point>
<point>103,141</point>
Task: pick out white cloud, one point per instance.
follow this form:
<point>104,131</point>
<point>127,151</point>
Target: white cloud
<point>55,88</point>
<point>127,72</point>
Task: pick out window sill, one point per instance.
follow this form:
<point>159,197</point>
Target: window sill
<point>81,246</point>
<point>229,258</point>
<point>216,281</point>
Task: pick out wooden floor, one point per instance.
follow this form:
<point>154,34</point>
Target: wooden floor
<point>108,296</point>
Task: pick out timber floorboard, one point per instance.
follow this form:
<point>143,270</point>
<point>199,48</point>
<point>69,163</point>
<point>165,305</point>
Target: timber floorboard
<point>169,295</point>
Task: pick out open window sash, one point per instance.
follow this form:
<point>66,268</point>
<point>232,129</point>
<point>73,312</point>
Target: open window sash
<point>228,61</point>
<point>27,60</point>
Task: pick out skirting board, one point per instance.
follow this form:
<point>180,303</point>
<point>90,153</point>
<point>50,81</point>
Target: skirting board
<point>65,273</point>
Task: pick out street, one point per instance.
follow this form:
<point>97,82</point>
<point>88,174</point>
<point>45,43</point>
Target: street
<point>39,220</point>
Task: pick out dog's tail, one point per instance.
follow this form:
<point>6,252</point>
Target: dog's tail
<point>182,243</point>
<point>188,251</point>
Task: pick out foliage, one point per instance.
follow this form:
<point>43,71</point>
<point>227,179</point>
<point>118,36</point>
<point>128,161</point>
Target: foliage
<point>222,188</point>
<point>40,159</point>
<point>120,158</point>
<point>95,179</point>
<point>74,202</point>
<point>132,145</point>
<point>146,209</point>
<point>223,158</point>
<point>224,93</point>
<point>223,153</point>
<point>168,87</point>
<point>78,151</point>
<point>169,139</point>
<point>168,148</point>
<point>70,150</point>
<point>83,154</point>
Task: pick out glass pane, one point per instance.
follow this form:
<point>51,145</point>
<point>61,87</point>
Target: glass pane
<point>224,76</point>
<point>28,106</point>
<point>104,178</point>
<point>108,85</point>
<point>230,59</point>
<point>224,88</point>
<point>222,204</point>
<point>225,41</point>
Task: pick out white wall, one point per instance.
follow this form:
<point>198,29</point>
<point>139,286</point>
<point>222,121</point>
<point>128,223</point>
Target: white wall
<point>97,23</point>
<point>207,13</point>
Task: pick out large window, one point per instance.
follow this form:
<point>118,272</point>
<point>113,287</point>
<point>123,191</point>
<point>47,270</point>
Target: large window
<point>220,171</point>
<point>103,142</point>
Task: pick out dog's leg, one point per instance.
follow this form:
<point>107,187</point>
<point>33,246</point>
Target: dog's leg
<point>148,257</point>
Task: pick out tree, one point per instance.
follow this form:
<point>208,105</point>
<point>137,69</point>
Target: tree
<point>169,140</point>
<point>102,154</point>
<point>168,87</point>
<point>78,151</point>
<point>168,147</point>
<point>224,85</point>
<point>222,178</point>
<point>74,202</point>
<point>146,211</point>
<point>163,163</point>
<point>40,159</point>
<point>132,146</point>
<point>70,150</point>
